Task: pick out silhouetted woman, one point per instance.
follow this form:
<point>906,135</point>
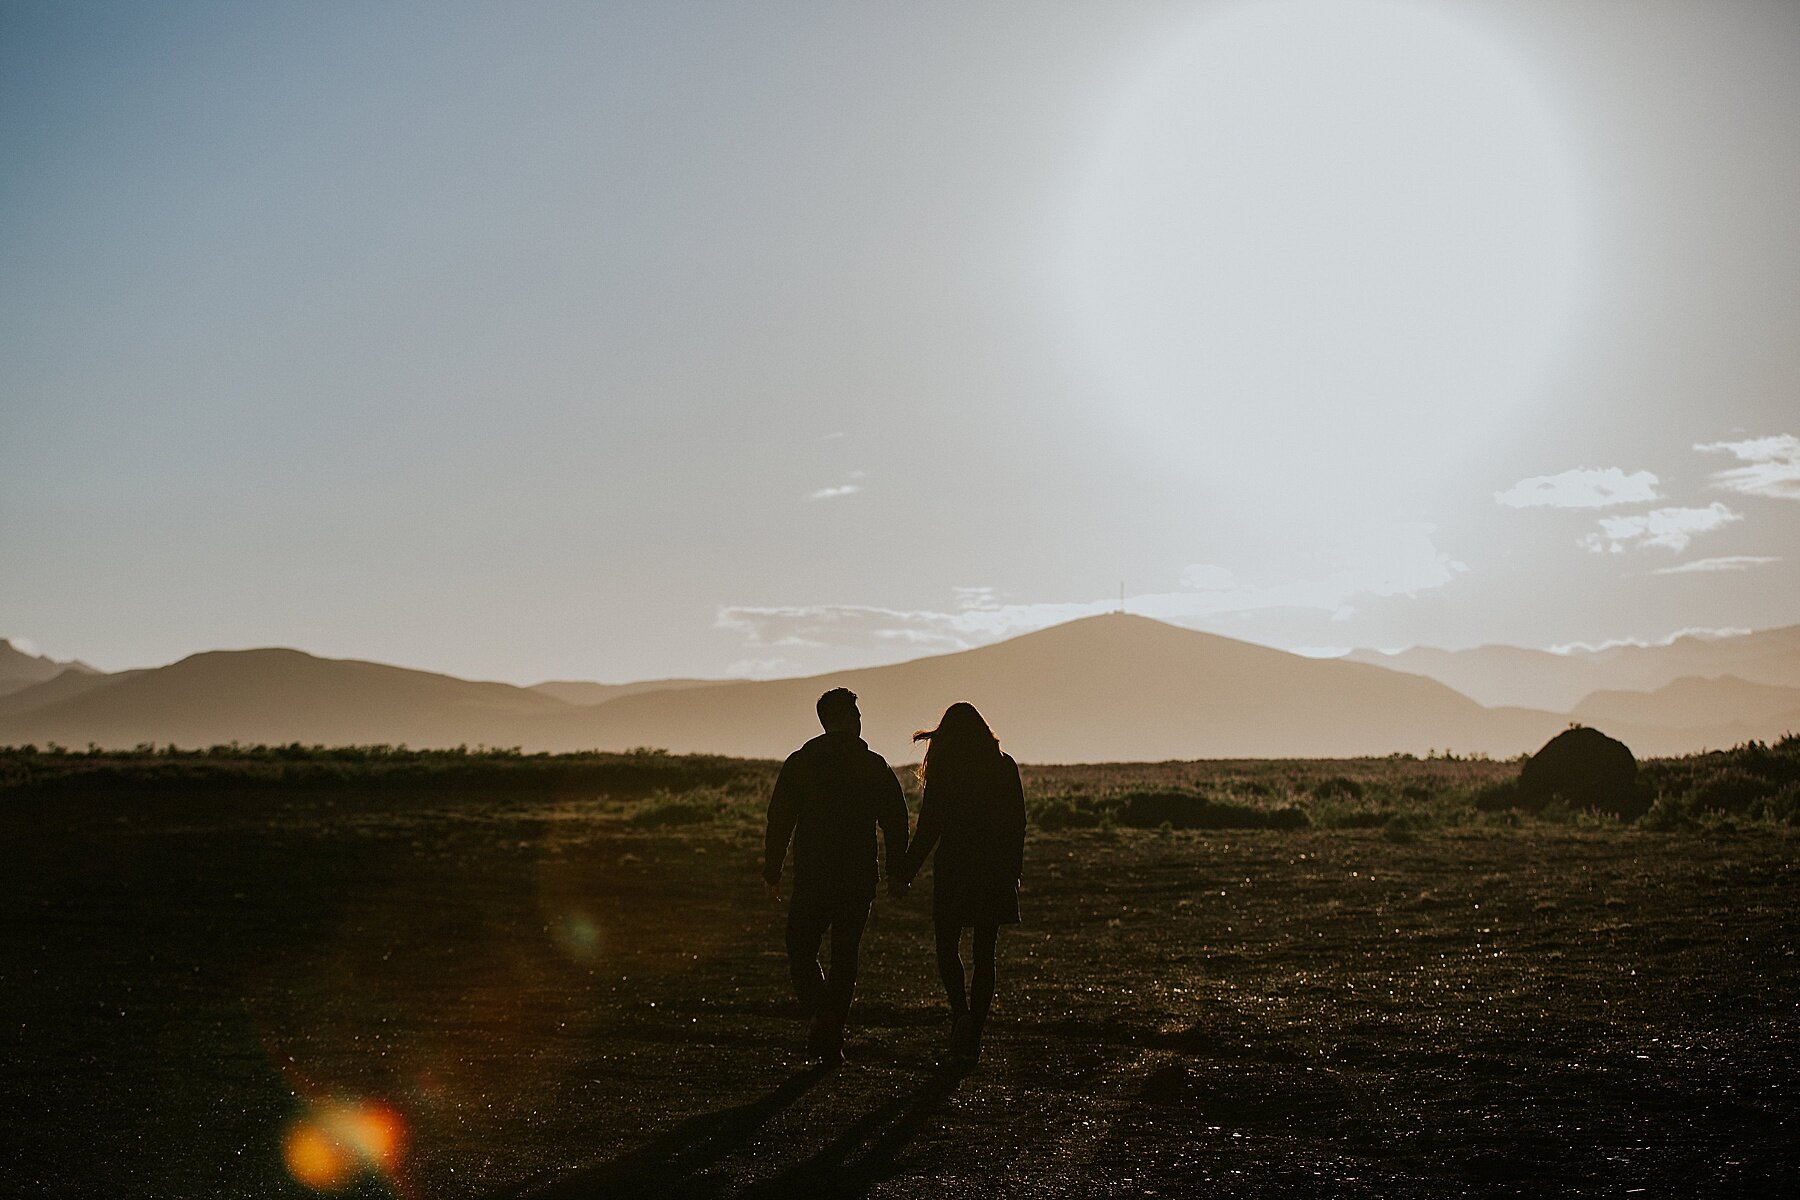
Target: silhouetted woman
<point>973,814</point>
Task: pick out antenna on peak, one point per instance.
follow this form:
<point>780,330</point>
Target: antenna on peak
<point>1121,596</point>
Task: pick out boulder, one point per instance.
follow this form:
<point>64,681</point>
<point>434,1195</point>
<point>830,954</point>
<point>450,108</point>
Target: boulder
<point>1583,768</point>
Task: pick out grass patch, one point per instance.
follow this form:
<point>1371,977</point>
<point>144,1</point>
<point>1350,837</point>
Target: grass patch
<point>1753,785</point>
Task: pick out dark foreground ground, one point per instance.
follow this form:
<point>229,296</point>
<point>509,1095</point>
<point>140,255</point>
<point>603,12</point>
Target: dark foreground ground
<point>544,1000</point>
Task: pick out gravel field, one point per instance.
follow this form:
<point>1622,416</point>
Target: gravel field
<point>543,999</point>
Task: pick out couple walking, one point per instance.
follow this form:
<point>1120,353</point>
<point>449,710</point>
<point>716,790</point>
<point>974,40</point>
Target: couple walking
<point>829,799</point>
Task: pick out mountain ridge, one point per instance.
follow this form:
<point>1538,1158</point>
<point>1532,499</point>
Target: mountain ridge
<point>1114,687</point>
<point>19,670</point>
<point>1518,675</point>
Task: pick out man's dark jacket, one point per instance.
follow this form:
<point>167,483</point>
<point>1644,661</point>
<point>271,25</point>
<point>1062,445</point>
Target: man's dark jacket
<point>829,797</point>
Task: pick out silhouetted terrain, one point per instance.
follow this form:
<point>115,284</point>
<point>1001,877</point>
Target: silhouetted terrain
<point>1101,689</point>
<point>279,696</point>
<point>561,978</point>
<point>1689,701</point>
<point>1502,675</point>
<point>1112,687</point>
<point>574,691</point>
<point>72,682</point>
<point>20,670</point>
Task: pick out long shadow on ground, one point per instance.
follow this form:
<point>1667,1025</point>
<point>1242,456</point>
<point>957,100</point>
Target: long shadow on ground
<point>865,1152</point>
<point>678,1162</point>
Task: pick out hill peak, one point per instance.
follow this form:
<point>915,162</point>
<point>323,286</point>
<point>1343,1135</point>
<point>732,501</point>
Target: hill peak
<point>19,666</point>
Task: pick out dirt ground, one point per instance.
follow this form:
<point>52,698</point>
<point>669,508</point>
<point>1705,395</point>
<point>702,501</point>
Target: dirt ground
<point>543,1001</point>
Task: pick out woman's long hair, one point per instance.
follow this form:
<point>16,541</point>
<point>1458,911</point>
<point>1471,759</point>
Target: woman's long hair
<point>962,741</point>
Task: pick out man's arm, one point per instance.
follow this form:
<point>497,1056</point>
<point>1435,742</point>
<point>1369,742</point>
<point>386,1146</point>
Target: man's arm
<point>890,814</point>
<point>1015,813</point>
<point>784,813</point>
<point>924,837</point>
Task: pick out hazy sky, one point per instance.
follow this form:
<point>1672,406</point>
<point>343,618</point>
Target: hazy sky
<point>617,341</point>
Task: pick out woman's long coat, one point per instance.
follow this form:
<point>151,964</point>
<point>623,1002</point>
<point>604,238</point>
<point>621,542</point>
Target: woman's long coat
<point>975,818</point>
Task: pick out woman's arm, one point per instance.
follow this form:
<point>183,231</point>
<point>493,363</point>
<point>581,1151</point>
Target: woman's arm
<point>924,838</point>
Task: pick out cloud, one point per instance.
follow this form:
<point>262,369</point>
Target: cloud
<point>1671,528</point>
<point>1395,560</point>
<point>1774,468</point>
<point>865,627</point>
<point>1584,487</point>
<point>762,668</point>
<point>1387,561</point>
<point>1694,631</point>
<point>1204,577</point>
<point>1730,562</point>
<point>968,598</point>
<point>832,493</point>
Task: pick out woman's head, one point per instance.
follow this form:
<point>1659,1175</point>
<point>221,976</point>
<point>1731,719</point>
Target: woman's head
<point>962,737</point>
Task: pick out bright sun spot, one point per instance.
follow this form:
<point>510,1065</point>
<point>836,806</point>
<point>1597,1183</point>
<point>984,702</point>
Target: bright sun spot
<point>1342,237</point>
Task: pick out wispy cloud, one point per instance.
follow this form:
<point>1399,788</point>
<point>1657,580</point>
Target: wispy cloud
<point>1583,487</point>
<point>867,627</point>
<point>1395,560</point>
<point>1729,562</point>
<point>1670,528</point>
<point>1694,631</point>
<point>968,598</point>
<point>1774,468</point>
<point>1388,561</point>
<point>761,668</point>
<point>1205,577</point>
<point>832,493</point>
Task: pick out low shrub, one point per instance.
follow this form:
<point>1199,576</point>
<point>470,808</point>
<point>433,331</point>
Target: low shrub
<point>697,807</point>
<point>1731,790</point>
<point>1064,812</point>
<point>1338,787</point>
<point>1194,810</point>
<point>1333,814</point>
<point>658,813</point>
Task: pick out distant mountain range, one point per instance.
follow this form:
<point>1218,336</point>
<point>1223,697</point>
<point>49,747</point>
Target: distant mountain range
<point>1107,688</point>
<point>1691,701</point>
<point>577,692</point>
<point>20,670</point>
<point>1543,679</point>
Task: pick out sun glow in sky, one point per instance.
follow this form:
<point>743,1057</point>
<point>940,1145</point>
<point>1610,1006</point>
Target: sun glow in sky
<point>1345,235</point>
<point>630,341</point>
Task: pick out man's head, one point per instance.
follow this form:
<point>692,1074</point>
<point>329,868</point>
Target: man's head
<point>838,713</point>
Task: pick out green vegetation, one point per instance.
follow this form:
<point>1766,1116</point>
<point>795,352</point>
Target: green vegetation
<point>385,771</point>
<point>1754,784</point>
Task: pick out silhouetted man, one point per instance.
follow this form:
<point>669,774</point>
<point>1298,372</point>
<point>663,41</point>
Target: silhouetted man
<point>829,797</point>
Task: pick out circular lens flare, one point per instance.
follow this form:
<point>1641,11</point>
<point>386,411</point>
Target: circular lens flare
<point>328,1148</point>
<point>315,1160</point>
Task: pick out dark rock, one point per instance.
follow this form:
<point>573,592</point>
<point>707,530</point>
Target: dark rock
<point>1583,768</point>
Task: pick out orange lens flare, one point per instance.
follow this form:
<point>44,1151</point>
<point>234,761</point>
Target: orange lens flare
<point>315,1160</point>
<point>376,1134</point>
<point>328,1148</point>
